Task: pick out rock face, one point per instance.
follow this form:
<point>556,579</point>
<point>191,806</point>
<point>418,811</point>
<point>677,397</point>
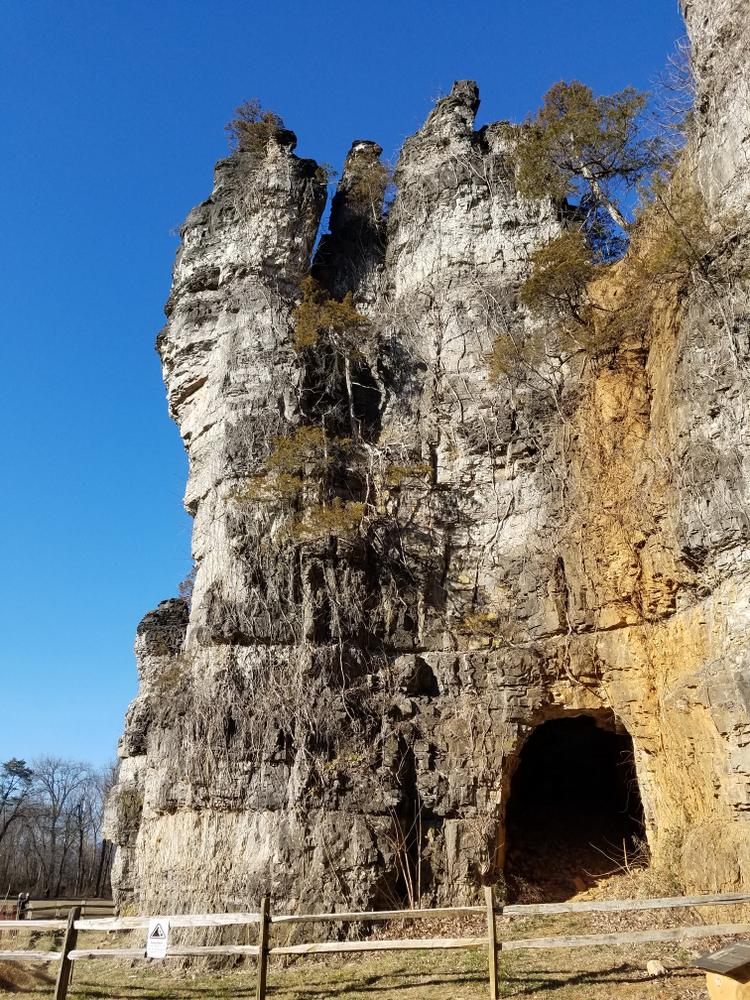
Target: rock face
<point>720,35</point>
<point>339,720</point>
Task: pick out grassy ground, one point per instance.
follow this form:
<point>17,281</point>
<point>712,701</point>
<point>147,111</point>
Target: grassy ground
<point>583,974</point>
<point>603,973</point>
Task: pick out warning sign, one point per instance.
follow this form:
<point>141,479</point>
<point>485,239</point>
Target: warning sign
<point>158,936</point>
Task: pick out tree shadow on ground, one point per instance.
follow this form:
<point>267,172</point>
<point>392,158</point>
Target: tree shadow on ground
<point>533,982</point>
<point>323,983</point>
<point>20,979</point>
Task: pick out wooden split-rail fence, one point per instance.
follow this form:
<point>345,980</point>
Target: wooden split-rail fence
<point>42,909</point>
<point>265,921</point>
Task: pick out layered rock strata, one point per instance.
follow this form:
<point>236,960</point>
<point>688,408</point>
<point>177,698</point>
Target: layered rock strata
<point>342,720</point>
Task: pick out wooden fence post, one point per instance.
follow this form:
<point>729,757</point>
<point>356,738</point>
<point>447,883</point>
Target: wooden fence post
<point>263,933</point>
<point>66,966</point>
<point>492,941</point>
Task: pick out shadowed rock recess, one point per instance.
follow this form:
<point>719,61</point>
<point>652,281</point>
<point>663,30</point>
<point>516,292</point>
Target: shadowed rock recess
<point>338,721</point>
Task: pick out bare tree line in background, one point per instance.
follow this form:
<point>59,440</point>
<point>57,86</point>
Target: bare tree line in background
<point>51,817</point>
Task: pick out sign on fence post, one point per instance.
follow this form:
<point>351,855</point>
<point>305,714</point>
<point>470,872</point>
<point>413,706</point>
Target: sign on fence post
<point>158,937</point>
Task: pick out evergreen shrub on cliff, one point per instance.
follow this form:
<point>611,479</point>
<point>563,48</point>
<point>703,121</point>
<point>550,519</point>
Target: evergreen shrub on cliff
<point>600,150</point>
<point>252,127</point>
<point>325,476</point>
<point>594,149</point>
<point>676,243</point>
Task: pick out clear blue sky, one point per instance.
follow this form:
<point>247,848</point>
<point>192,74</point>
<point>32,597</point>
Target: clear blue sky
<point>112,117</point>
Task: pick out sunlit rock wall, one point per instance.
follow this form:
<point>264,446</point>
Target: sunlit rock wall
<point>574,545</point>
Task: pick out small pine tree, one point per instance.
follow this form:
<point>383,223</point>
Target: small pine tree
<point>582,146</point>
<point>331,333</point>
<point>560,275</point>
<point>321,317</point>
<point>252,127</point>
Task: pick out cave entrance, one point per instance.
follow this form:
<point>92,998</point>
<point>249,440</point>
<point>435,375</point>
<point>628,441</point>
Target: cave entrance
<point>574,810</point>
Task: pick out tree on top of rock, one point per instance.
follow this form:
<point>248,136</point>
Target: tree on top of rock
<point>595,149</point>
<point>252,127</point>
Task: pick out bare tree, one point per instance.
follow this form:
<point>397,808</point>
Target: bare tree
<point>674,95</point>
<point>60,786</point>
<point>50,837</point>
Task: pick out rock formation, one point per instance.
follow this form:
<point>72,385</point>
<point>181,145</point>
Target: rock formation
<point>338,721</point>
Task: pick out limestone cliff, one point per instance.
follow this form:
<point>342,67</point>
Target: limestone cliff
<point>338,721</point>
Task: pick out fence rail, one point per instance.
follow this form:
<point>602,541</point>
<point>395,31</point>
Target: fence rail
<point>98,907</point>
<point>41,909</point>
<point>262,950</point>
<point>180,920</point>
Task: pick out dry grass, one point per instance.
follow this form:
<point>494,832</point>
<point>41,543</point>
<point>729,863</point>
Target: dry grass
<point>17,978</point>
<point>601,973</point>
<point>585,974</point>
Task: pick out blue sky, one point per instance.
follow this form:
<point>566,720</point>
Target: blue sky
<point>111,119</point>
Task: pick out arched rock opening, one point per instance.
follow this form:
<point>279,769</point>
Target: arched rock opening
<point>574,811</point>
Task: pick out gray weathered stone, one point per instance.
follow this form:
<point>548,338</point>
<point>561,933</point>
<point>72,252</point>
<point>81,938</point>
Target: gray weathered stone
<point>582,550</point>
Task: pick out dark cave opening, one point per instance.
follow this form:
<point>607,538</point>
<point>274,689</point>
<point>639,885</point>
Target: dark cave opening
<point>574,813</point>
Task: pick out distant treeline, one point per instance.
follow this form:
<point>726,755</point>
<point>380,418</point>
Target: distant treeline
<point>51,816</point>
